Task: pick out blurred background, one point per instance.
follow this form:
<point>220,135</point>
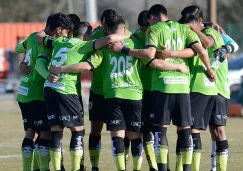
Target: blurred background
<point>19,18</point>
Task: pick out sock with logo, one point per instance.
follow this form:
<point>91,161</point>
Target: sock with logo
<point>76,149</point>
<point>94,150</point>
<point>213,156</point>
<point>56,149</point>
<point>44,154</point>
<point>196,157</point>
<point>149,149</point>
<point>160,147</point>
<point>222,155</point>
<point>127,146</point>
<point>36,160</point>
<point>27,154</point>
<point>118,151</point>
<point>82,167</point>
<point>137,153</point>
<point>185,149</point>
<point>179,166</point>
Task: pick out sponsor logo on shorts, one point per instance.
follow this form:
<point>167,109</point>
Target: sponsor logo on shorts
<point>24,120</point>
<point>137,124</point>
<point>176,80</point>
<point>90,105</point>
<point>38,123</point>
<point>50,117</point>
<point>151,115</point>
<point>65,118</point>
<point>23,90</point>
<point>225,117</point>
<point>115,122</point>
<point>75,117</point>
<point>219,116</point>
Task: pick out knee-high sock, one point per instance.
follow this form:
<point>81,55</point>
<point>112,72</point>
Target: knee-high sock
<point>178,166</point>
<point>222,155</point>
<point>76,149</point>
<point>160,146</point>
<point>185,149</point>
<point>27,154</point>
<point>118,151</point>
<point>197,144</point>
<point>94,150</point>
<point>213,156</point>
<point>82,167</point>
<point>44,154</point>
<point>149,150</point>
<point>137,153</point>
<point>127,146</point>
<point>56,149</point>
<point>36,160</point>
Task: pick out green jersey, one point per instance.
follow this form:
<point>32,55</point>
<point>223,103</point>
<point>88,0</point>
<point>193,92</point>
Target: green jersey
<point>97,83</point>
<point>145,71</point>
<point>31,86</point>
<point>68,51</point>
<point>121,73</point>
<point>174,36</point>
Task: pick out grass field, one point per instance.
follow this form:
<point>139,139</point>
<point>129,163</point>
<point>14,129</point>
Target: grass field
<point>12,133</point>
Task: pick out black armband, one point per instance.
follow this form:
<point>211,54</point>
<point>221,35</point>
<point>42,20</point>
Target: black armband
<point>147,65</point>
<point>125,50</point>
<point>43,41</point>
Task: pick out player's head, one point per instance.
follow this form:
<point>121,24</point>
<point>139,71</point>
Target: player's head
<point>157,13</point>
<point>109,15</point>
<point>116,26</point>
<point>60,25</point>
<point>191,14</point>
<point>143,21</point>
<point>84,31</point>
<point>75,20</point>
<point>48,21</point>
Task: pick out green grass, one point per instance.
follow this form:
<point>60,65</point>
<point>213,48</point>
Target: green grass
<point>12,133</point>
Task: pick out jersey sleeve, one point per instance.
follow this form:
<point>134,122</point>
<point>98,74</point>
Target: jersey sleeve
<point>86,47</point>
<point>21,46</point>
<point>48,41</point>
<point>95,59</point>
<point>191,38</point>
<point>151,39</point>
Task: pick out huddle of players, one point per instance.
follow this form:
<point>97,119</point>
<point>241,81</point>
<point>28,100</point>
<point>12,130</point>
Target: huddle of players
<point>138,86</point>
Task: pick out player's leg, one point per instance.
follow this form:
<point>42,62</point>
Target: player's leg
<point>148,140</point>
<point>36,161</point>
<point>181,117</point>
<point>116,125</point>
<point>30,133</point>
<point>127,148</point>
<point>132,111</point>
<point>162,106</point>
<point>217,130</point>
<point>97,118</point>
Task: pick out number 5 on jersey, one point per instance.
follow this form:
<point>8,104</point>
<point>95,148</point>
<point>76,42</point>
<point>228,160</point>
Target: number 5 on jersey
<point>60,57</point>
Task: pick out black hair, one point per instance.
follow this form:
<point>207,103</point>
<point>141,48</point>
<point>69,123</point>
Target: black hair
<point>109,14</point>
<point>76,21</point>
<point>82,28</point>
<point>190,14</point>
<point>143,18</point>
<point>49,20</point>
<point>157,10</point>
<point>60,20</point>
<point>113,25</point>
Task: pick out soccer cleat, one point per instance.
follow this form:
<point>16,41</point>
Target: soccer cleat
<point>62,168</point>
<point>82,168</point>
<point>95,169</point>
<point>152,169</point>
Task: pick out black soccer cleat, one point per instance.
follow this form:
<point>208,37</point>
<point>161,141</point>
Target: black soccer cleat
<point>152,169</point>
<point>62,168</point>
<point>95,169</point>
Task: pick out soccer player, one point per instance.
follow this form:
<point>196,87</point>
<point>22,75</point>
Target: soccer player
<point>63,105</point>
<point>170,90</point>
<point>212,40</point>
<point>96,99</point>
<point>123,92</point>
<point>30,97</point>
<point>146,82</point>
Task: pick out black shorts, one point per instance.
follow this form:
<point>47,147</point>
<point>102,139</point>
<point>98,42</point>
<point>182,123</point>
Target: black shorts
<point>96,107</point>
<point>146,108</point>
<point>220,111</point>
<point>167,107</point>
<point>34,115</point>
<point>123,114</point>
<point>63,109</point>
<point>201,108</point>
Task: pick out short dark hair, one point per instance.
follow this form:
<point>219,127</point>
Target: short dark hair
<point>143,18</point>
<point>157,10</point>
<point>60,20</point>
<point>109,14</point>
<point>82,28</point>
<point>190,14</point>
<point>76,21</point>
<point>48,21</point>
<point>113,25</point>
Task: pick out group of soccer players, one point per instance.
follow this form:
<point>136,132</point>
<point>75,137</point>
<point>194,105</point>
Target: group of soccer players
<point>165,70</point>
